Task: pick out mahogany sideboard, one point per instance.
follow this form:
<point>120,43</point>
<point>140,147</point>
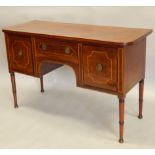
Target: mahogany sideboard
<point>104,58</point>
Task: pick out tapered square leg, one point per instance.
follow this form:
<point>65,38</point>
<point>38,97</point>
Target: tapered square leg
<point>42,84</point>
<point>13,81</point>
<point>141,91</point>
<point>121,118</point>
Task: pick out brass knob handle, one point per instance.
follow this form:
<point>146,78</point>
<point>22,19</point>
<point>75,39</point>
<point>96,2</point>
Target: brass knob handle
<point>99,67</point>
<point>67,50</point>
<point>20,53</point>
<point>44,47</point>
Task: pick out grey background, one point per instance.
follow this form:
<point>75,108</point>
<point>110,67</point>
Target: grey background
<point>67,116</point>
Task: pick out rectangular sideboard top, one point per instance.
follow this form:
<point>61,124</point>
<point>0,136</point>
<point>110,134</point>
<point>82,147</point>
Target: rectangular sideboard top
<point>115,35</point>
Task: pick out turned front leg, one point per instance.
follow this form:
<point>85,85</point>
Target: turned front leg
<point>42,84</point>
<point>13,81</point>
<point>121,118</point>
<point>141,90</point>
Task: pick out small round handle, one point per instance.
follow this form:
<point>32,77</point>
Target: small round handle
<point>99,67</point>
<point>44,46</point>
<point>20,53</point>
<point>67,50</point>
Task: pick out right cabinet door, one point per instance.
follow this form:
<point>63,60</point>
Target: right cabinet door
<point>100,67</point>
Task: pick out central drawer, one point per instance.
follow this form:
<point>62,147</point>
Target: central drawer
<point>57,49</point>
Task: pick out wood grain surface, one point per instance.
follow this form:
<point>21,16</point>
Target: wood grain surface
<point>118,35</point>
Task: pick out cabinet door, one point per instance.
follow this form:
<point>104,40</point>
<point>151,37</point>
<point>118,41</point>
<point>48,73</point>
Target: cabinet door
<point>100,67</point>
<point>20,54</point>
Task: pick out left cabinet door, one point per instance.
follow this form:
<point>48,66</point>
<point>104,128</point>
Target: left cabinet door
<point>20,54</point>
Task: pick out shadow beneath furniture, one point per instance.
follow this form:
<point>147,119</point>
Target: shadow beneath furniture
<point>95,109</point>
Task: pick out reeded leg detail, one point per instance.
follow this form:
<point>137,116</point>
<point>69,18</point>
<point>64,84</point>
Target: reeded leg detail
<point>141,90</point>
<point>121,118</point>
<point>42,84</point>
<point>13,81</point>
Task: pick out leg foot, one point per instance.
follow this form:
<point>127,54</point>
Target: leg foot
<point>42,84</point>
<point>121,118</point>
<point>141,90</point>
<point>16,106</point>
<point>121,141</point>
<point>13,81</point>
<point>140,116</point>
<point>42,91</point>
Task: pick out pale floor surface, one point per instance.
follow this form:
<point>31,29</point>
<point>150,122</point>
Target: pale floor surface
<point>69,117</point>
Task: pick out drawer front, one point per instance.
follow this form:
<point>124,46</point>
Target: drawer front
<point>100,67</point>
<point>20,54</point>
<point>59,50</point>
